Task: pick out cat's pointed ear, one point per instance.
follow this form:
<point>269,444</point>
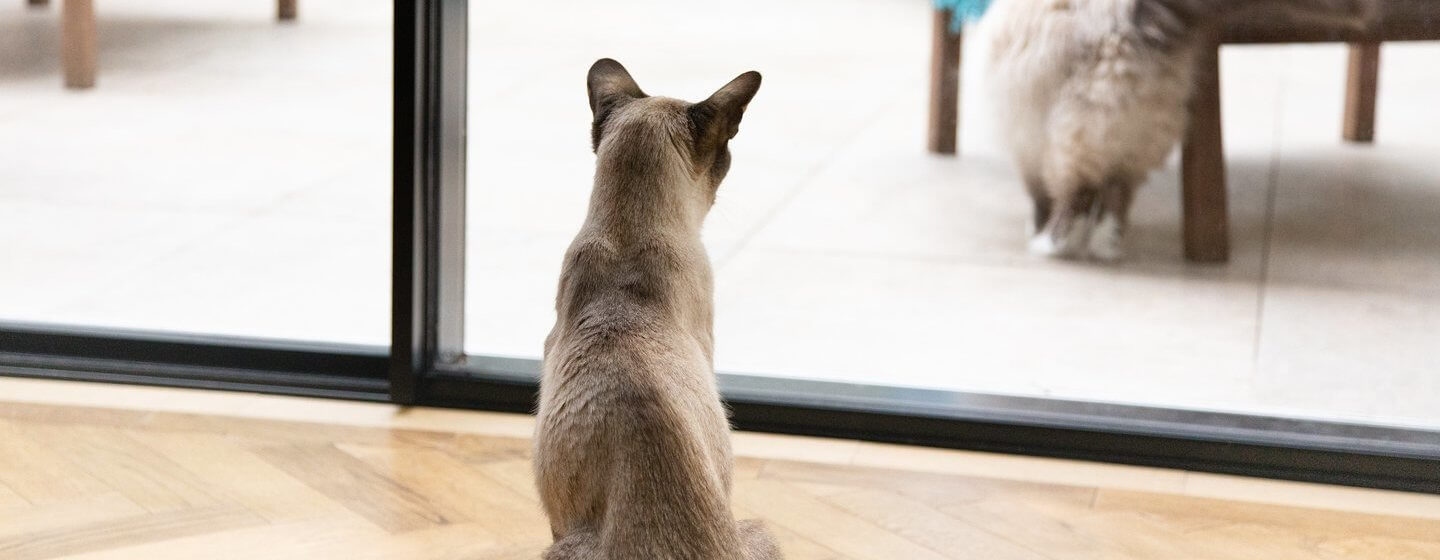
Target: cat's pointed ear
<point>609,84</point>
<point>720,114</point>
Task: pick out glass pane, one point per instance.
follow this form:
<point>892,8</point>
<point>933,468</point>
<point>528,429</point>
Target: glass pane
<point>227,173</point>
<point>843,250</point>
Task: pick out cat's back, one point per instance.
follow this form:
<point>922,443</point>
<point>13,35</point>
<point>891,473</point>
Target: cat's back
<point>631,440</point>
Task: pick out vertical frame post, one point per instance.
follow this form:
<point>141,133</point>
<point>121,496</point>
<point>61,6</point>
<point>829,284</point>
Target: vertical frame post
<point>449,194</point>
<point>407,289</point>
<point>429,187</point>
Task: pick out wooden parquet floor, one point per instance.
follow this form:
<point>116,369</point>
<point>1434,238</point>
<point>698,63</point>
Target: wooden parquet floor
<point>99,483</point>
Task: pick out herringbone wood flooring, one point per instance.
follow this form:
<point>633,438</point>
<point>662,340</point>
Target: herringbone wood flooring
<point>97,483</point>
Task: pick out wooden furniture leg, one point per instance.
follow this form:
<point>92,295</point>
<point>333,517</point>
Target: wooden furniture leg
<point>1207,236</point>
<point>1360,91</point>
<point>286,10</point>
<point>78,43</point>
<point>944,85</point>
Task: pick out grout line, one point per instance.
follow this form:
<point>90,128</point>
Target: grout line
<point>1268,231</point>
<point>1018,261</point>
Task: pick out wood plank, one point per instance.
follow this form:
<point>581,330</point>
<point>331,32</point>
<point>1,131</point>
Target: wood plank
<point>351,539</point>
<point>98,508</point>
<point>920,523</point>
<point>125,531</point>
<point>1379,548</point>
<point>10,499</point>
<point>1205,511</point>
<point>124,465</point>
<point>1056,473</point>
<point>227,469</point>
<point>516,474</point>
<point>459,491</point>
<point>1048,528</point>
<point>35,413</point>
<point>932,489</point>
<point>472,448</point>
<point>839,530</point>
<point>39,473</point>
<point>355,485</point>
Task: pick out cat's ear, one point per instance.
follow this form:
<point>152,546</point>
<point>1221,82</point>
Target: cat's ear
<point>608,85</point>
<point>719,116</point>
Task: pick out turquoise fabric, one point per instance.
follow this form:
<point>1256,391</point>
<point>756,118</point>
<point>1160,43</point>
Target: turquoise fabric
<point>964,11</point>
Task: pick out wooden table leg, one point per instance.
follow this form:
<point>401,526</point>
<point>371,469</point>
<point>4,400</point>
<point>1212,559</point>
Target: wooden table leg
<point>1360,91</point>
<point>286,10</point>
<point>79,44</point>
<point>1207,236</point>
<point>944,85</point>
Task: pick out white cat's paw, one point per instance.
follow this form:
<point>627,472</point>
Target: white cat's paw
<point>1069,246</point>
<point>1106,241</point>
<point>1043,245</point>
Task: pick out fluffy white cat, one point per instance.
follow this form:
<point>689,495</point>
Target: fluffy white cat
<point>1091,98</point>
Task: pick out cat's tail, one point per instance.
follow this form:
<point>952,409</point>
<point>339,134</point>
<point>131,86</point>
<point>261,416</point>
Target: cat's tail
<point>757,542</point>
<point>578,545</point>
<point>1170,22</point>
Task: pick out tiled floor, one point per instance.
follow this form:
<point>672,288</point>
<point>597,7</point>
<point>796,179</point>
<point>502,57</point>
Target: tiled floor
<point>230,175</point>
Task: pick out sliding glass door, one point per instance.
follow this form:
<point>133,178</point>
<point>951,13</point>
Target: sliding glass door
<point>211,173</point>
<point>226,208</point>
<point>887,291</point>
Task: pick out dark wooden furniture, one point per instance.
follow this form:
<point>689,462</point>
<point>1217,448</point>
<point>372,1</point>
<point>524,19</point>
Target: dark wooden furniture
<point>1206,227</point>
<point>944,85</point>
<point>79,45</point>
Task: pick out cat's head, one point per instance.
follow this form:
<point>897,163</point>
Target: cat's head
<point>641,133</point>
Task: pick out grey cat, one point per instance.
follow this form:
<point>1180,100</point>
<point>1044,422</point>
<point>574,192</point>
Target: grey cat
<point>632,448</point>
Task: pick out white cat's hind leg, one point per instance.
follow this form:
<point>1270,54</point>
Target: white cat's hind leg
<point>1063,239</point>
<point>1107,239</point>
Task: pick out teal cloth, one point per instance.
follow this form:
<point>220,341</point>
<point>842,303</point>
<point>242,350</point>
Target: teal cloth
<point>963,11</point>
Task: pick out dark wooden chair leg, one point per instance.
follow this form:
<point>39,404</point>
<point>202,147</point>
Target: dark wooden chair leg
<point>286,10</point>
<point>1360,91</point>
<point>1207,236</point>
<point>944,85</point>
<point>78,43</point>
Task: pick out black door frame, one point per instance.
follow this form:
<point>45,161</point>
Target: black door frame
<point>426,365</point>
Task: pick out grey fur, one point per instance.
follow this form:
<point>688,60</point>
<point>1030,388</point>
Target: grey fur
<point>632,449</point>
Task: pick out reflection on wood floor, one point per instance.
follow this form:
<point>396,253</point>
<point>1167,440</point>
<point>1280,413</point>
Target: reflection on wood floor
<point>86,482</point>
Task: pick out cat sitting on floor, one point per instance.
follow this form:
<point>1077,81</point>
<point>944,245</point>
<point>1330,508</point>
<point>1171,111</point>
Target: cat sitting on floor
<point>1091,96</point>
<point>632,448</point>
